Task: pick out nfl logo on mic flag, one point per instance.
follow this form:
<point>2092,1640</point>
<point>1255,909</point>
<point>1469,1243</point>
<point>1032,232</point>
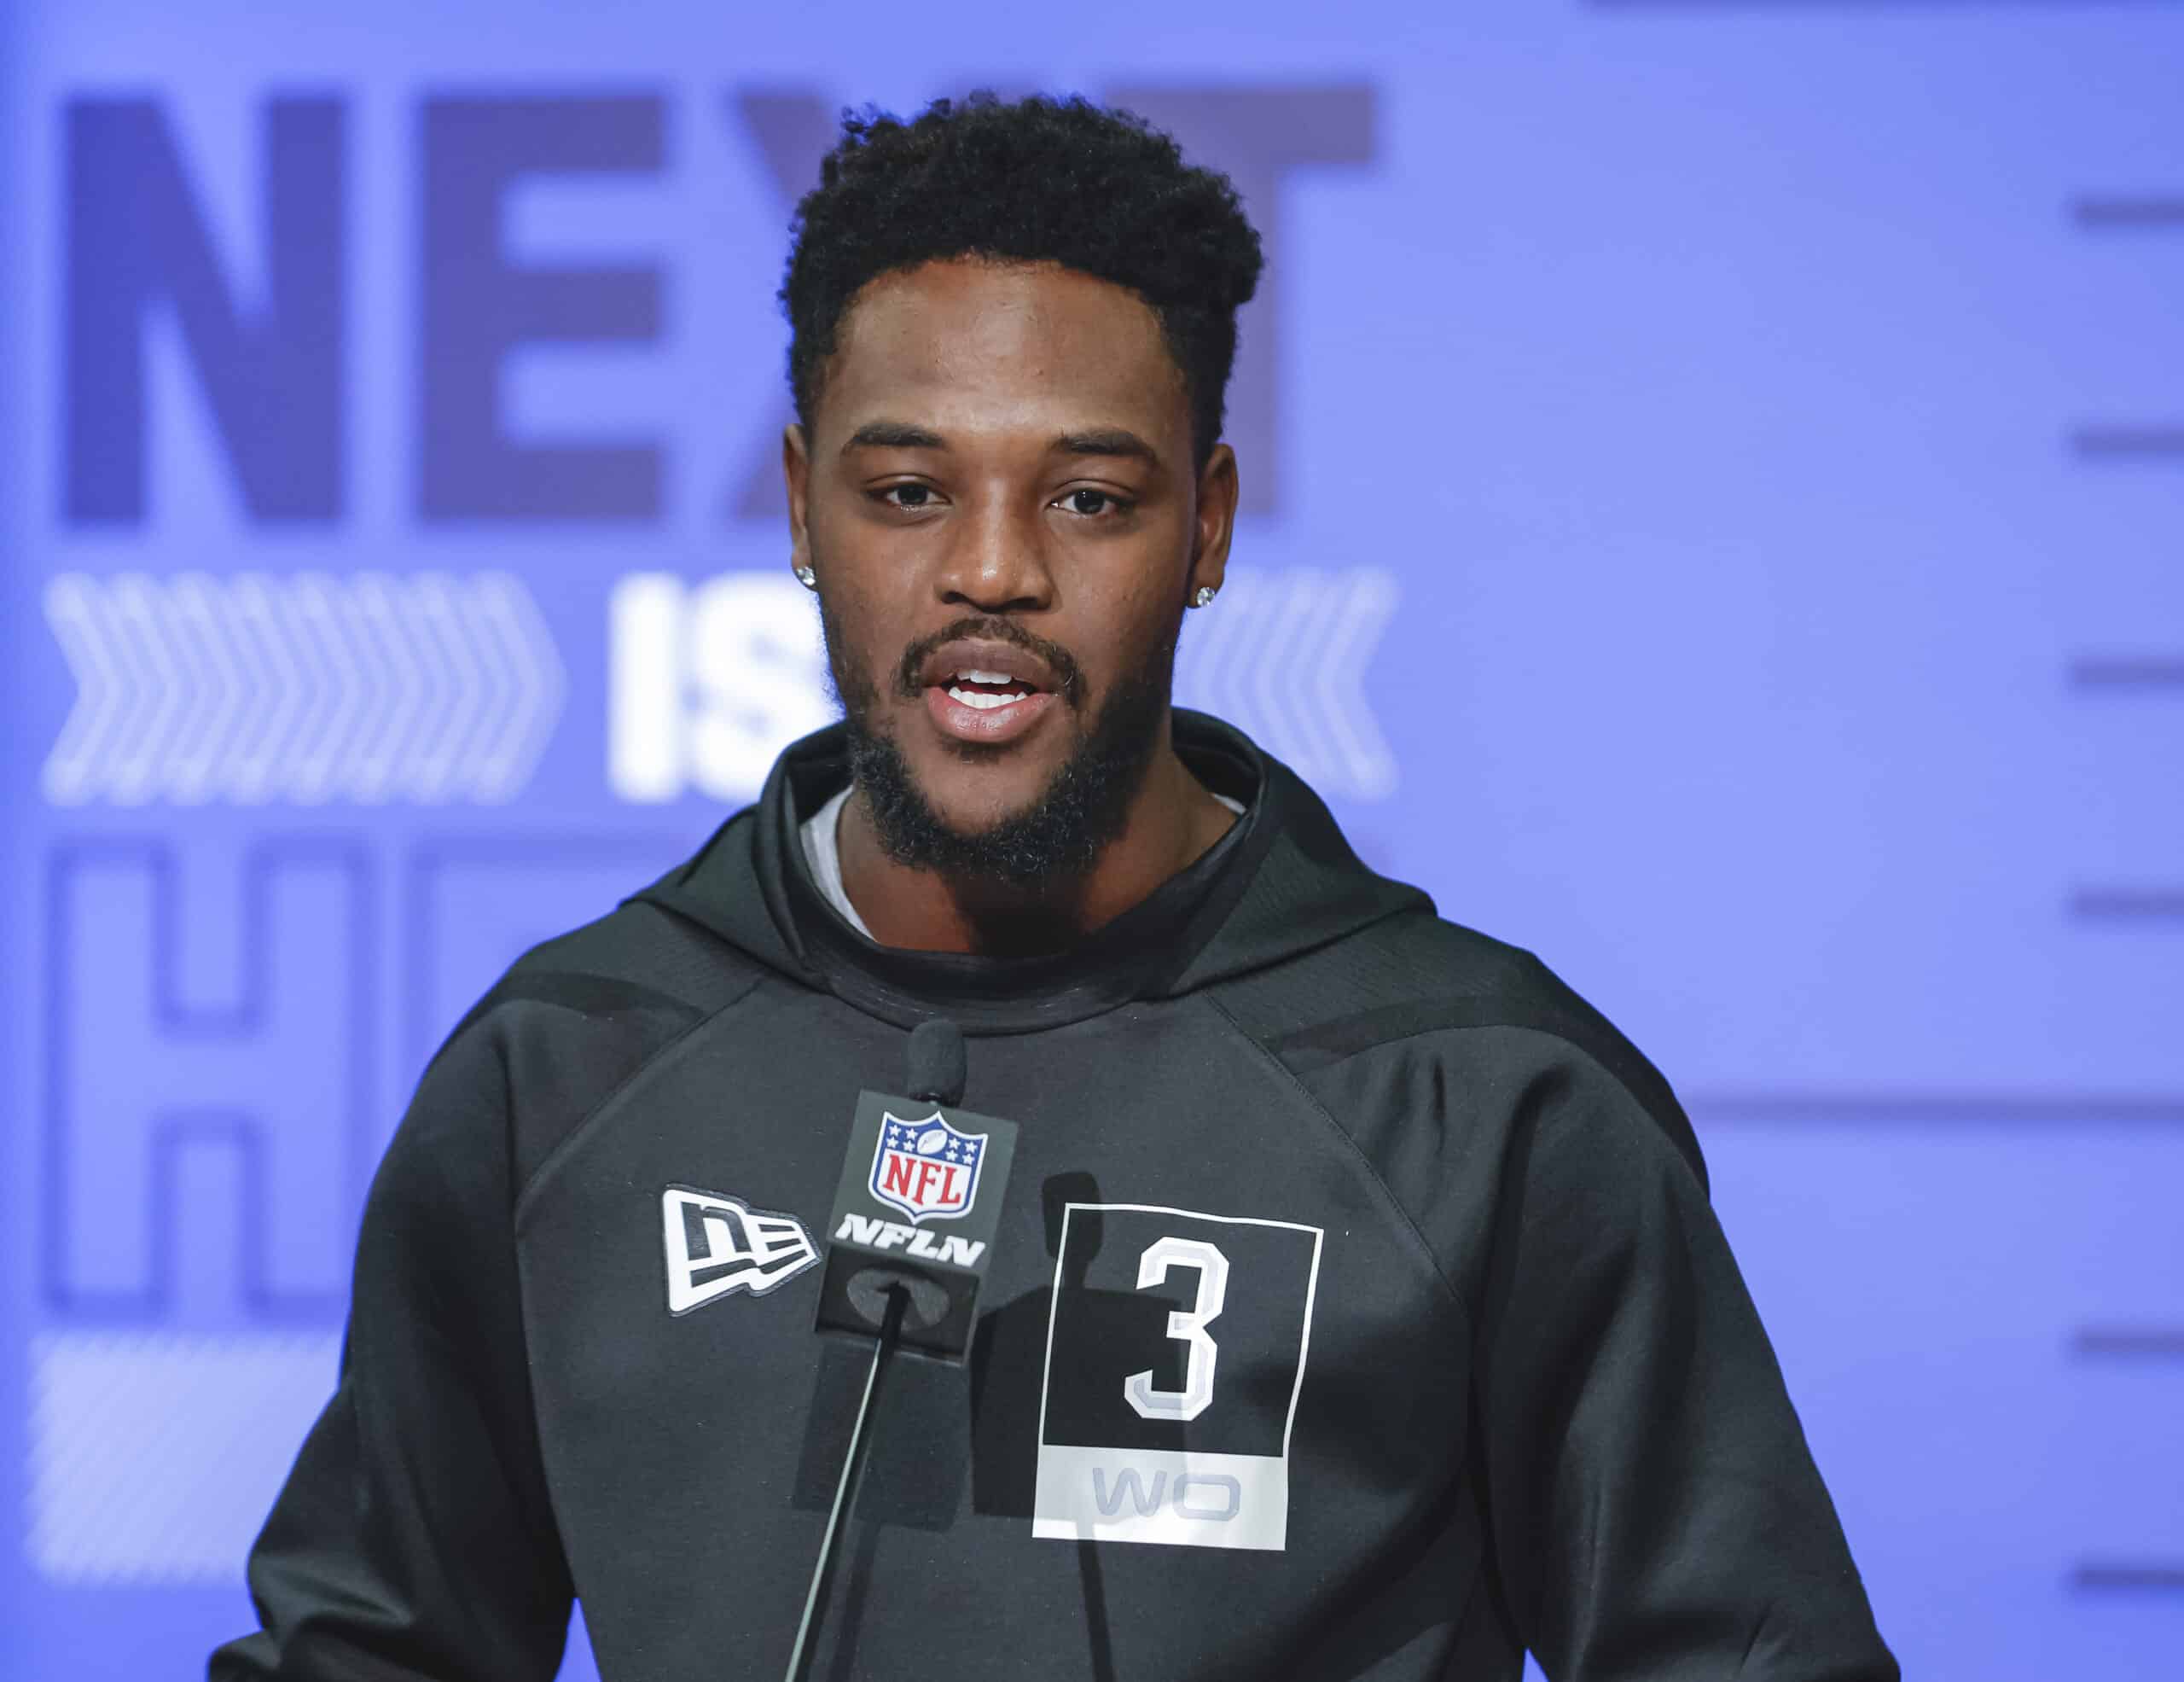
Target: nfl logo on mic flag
<point>918,1205</point>
<point>926,1169</point>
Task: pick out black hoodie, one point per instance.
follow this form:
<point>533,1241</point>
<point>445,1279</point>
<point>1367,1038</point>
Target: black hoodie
<point>1357,1311</point>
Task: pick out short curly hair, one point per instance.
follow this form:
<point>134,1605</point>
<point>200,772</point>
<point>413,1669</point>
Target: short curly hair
<point>1037,180</point>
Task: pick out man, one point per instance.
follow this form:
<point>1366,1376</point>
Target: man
<point>1370,1269</point>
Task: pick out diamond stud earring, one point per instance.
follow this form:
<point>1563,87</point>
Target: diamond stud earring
<point>1204,594</point>
<point>807,577</point>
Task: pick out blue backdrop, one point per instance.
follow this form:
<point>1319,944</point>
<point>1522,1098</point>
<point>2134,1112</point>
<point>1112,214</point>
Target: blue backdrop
<point>1715,489</point>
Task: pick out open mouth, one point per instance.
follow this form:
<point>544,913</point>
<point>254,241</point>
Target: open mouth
<point>984,690</point>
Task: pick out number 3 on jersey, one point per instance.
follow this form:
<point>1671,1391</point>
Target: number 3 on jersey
<point>1187,1328</point>
<point>1176,1347</point>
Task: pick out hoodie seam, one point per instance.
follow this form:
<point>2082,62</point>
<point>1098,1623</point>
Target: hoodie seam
<point>1373,1176</point>
<point>1192,980</point>
<point>587,1123</point>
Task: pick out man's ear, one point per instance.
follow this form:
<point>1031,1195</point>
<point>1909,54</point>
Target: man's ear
<point>1215,524</point>
<point>796,476</point>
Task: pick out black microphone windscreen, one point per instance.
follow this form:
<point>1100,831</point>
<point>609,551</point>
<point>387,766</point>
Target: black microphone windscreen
<point>937,1066</point>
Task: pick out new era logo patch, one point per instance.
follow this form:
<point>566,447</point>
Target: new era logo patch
<point>718,1245</point>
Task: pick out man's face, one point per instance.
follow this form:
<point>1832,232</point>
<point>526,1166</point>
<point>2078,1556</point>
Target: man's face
<point>999,499</point>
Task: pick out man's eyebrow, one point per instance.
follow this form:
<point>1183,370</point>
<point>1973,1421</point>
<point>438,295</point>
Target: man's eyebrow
<point>1107,441</point>
<point>893,435</point>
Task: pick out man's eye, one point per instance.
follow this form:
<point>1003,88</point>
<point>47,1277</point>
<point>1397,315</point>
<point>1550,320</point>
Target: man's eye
<point>907,496</point>
<point>1087,501</point>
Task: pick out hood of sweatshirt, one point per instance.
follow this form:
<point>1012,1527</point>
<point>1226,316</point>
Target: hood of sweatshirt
<point>1282,881</point>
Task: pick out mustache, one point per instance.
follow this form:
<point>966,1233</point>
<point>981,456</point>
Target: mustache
<point>1069,676</point>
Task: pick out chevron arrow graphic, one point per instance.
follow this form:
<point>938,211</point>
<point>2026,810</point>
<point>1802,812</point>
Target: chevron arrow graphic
<point>1283,655</point>
<point>250,689</point>
<point>76,609</point>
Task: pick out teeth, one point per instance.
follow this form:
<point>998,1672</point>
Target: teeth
<point>982,676</point>
<point>981,700</point>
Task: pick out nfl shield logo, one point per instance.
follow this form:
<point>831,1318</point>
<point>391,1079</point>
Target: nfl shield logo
<point>926,1169</point>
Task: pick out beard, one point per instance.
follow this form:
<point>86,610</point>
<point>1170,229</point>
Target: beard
<point>1086,802</point>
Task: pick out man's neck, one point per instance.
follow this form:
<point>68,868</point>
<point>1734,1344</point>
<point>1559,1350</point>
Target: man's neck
<point>1172,821</point>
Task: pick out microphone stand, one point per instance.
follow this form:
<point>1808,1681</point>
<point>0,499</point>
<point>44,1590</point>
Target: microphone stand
<point>891,1327</point>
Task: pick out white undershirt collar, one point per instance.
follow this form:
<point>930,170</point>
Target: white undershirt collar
<point>822,851</point>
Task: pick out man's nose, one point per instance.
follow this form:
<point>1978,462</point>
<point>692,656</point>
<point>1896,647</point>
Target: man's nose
<point>998,561</point>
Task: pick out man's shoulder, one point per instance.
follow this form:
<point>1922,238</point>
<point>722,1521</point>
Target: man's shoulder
<point>1418,984</point>
<point>1405,974</point>
<point>637,960</point>
<point>576,1015</point>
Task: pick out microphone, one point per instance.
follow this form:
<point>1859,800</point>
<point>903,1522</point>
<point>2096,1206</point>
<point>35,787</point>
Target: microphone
<point>936,1061</point>
<point>890,1277</point>
<point>918,1205</point>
